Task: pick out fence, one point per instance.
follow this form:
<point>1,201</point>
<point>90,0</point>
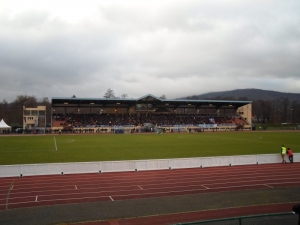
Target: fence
<point>265,219</point>
<point>137,165</point>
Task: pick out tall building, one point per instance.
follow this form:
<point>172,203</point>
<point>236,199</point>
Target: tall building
<point>34,117</point>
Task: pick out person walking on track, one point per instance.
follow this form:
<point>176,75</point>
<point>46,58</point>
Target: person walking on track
<point>290,154</point>
<point>283,153</point>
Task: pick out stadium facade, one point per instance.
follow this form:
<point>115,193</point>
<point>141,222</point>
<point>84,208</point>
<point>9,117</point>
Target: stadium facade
<point>186,113</point>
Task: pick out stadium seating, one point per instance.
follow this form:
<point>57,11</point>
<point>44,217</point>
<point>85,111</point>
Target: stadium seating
<point>101,120</point>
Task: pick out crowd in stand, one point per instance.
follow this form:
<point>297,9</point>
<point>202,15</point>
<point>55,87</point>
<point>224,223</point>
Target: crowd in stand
<point>99,120</point>
<point>99,123</point>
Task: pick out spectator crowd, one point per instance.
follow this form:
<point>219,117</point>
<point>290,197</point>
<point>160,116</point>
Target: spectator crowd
<point>100,120</point>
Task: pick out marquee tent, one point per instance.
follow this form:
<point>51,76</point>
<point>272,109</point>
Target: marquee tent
<point>3,125</point>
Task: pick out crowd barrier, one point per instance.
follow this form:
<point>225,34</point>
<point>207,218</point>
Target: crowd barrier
<point>137,165</point>
<point>265,219</point>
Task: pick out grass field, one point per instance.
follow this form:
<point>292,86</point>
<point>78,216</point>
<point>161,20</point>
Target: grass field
<point>104,147</point>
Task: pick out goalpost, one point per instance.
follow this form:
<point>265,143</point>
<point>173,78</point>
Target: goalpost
<point>118,130</point>
<point>127,131</point>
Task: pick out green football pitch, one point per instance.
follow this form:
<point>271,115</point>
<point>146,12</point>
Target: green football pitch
<point>110,147</point>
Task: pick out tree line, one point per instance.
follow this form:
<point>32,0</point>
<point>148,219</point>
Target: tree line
<point>12,113</point>
<point>275,111</point>
<point>281,110</point>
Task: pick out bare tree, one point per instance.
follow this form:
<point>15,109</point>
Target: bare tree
<point>109,93</point>
<point>276,110</point>
<point>294,111</point>
<point>163,97</point>
<point>193,97</point>
<point>16,108</point>
<point>4,110</point>
<point>124,95</point>
<point>285,109</point>
<point>45,102</point>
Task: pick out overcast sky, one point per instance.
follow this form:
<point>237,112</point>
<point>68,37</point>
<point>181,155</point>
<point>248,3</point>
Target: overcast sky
<point>178,48</point>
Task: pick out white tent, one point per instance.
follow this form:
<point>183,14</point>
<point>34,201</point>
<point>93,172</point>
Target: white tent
<point>3,125</point>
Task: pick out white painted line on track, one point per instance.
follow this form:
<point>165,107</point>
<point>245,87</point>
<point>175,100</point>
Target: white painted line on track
<point>56,200</point>
<point>7,197</point>
<point>216,180</point>
<point>11,187</point>
<point>36,198</point>
<point>151,191</point>
<point>75,187</point>
<point>140,187</point>
<point>156,189</point>
<point>55,144</point>
<point>135,194</point>
<point>149,187</point>
<point>261,181</point>
<point>257,174</point>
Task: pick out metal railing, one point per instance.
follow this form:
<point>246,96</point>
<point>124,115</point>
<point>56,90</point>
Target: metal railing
<point>288,218</point>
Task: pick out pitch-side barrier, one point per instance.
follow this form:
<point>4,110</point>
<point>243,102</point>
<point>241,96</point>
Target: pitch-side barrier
<point>137,165</point>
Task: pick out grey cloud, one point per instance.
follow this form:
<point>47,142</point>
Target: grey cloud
<point>139,46</point>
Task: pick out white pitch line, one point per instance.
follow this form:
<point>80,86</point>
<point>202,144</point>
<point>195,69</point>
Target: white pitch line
<point>140,187</point>
<point>36,198</point>
<point>111,198</point>
<point>69,141</point>
<point>55,143</point>
<point>268,186</point>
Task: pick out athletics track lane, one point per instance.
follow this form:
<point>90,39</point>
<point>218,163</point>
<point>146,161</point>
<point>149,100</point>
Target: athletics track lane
<point>78,188</point>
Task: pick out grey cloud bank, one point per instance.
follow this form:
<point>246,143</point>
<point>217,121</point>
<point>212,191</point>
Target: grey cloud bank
<point>176,48</point>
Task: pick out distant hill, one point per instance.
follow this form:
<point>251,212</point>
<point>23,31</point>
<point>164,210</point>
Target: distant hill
<point>246,94</point>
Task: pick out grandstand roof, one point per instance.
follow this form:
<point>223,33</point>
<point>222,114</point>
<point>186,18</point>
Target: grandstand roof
<point>147,99</point>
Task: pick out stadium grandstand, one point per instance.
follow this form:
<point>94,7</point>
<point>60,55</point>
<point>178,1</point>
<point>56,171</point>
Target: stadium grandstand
<point>148,114</point>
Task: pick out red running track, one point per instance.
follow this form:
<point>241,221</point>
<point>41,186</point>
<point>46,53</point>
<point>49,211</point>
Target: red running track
<point>17,192</point>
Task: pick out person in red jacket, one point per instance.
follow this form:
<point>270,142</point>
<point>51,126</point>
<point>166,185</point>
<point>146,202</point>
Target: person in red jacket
<point>290,154</point>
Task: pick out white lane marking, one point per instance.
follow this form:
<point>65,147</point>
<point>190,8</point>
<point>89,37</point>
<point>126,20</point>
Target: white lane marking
<point>205,187</point>
<point>36,198</point>
<point>140,187</point>
<point>111,198</point>
<point>55,144</point>
<point>268,186</point>
<point>75,187</point>
<point>159,190</point>
<point>7,197</point>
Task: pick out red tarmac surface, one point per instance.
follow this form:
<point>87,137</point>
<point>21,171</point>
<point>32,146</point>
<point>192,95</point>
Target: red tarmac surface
<point>17,192</point>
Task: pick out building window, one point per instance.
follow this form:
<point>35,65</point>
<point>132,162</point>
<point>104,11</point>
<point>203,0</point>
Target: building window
<point>42,113</point>
<point>34,112</point>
